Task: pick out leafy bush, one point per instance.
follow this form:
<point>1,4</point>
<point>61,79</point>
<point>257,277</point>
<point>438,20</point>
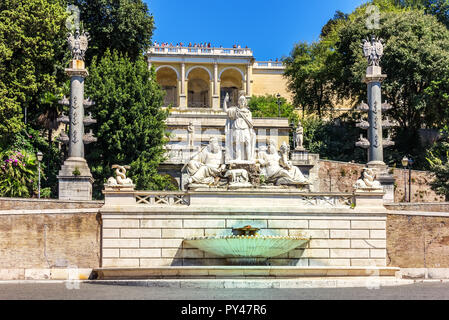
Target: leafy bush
<point>18,174</point>
<point>440,167</point>
<point>333,140</point>
<point>31,141</point>
<point>438,157</point>
<point>46,193</point>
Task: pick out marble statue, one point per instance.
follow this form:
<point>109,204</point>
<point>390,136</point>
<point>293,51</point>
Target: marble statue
<point>121,179</point>
<point>277,168</point>
<point>368,181</point>
<point>191,134</point>
<point>206,166</point>
<point>299,137</point>
<point>373,51</point>
<point>240,134</point>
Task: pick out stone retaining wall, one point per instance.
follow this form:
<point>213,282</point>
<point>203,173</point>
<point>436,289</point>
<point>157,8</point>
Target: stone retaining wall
<point>334,176</point>
<point>47,239</point>
<point>418,240</point>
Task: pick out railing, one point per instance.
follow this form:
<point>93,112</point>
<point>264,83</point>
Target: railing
<point>152,198</point>
<point>268,65</point>
<point>201,51</point>
<point>180,198</point>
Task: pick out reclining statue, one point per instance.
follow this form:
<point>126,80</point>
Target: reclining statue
<point>278,169</point>
<point>206,167</point>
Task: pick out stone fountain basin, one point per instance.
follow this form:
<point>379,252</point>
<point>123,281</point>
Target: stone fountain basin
<point>241,249</point>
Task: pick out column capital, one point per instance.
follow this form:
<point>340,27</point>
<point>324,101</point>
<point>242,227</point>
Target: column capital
<point>77,72</point>
<point>374,78</point>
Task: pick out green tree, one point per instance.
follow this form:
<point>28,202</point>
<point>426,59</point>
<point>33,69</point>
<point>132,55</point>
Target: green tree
<point>130,128</point>
<point>123,25</point>
<point>415,54</point>
<point>31,50</point>
<point>309,77</point>
<point>333,140</point>
<point>268,107</point>
<point>415,60</point>
<point>437,8</point>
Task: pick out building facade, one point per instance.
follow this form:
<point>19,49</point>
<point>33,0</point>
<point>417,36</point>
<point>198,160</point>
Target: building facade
<point>196,81</point>
<point>198,77</point>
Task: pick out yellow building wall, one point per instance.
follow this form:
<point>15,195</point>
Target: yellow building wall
<point>272,84</point>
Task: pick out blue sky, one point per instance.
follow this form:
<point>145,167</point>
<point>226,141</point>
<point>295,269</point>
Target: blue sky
<point>270,28</point>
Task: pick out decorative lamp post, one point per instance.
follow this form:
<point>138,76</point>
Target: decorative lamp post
<point>410,164</point>
<point>39,157</point>
<point>405,164</point>
<point>279,104</point>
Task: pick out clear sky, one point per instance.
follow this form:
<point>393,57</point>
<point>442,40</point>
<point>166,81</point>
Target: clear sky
<point>270,28</point>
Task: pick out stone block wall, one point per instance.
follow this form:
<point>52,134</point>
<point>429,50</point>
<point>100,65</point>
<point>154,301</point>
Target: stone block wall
<point>39,240</point>
<point>41,204</point>
<point>418,240</point>
<point>153,239</point>
<point>336,176</point>
<point>419,207</point>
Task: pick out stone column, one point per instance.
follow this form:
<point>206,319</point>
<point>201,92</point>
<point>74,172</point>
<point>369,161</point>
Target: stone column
<point>248,81</point>
<point>178,92</point>
<point>245,87</point>
<point>211,93</point>
<point>373,52</point>
<point>183,96</point>
<point>76,131</point>
<point>75,178</point>
<point>216,92</point>
<point>373,79</point>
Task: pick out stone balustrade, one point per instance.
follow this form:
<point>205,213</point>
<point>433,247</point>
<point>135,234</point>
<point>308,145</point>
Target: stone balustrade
<point>151,198</point>
<point>200,51</point>
<point>268,65</point>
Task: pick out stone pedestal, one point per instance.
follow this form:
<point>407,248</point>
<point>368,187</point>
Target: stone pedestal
<point>216,103</point>
<point>370,198</point>
<point>183,101</point>
<point>299,154</point>
<point>75,180</point>
<point>386,179</point>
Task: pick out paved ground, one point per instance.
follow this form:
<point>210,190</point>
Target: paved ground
<point>59,291</point>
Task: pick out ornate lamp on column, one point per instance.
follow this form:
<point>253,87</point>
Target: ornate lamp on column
<point>405,164</point>
<point>278,96</point>
<point>75,178</point>
<point>39,157</point>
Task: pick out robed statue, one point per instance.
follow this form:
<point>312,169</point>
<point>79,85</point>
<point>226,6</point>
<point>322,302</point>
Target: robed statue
<point>240,134</point>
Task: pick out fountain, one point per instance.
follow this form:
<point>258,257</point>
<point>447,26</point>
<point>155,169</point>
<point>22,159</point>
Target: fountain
<point>246,246</point>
